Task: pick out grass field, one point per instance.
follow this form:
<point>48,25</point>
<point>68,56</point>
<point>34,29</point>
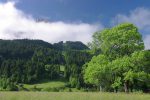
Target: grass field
<point>74,95</point>
<point>49,86</point>
<point>71,96</point>
<point>46,84</point>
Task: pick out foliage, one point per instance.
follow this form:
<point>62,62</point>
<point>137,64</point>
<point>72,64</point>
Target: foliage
<point>118,41</point>
<point>29,61</point>
<point>123,62</point>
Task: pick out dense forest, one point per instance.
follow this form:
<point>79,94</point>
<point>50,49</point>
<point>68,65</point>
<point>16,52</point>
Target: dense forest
<point>28,61</point>
<point>114,61</point>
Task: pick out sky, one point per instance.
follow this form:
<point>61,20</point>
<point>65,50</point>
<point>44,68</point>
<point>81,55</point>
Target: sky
<point>74,20</point>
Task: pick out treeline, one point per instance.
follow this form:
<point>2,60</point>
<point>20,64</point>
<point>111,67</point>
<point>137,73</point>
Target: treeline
<point>29,61</point>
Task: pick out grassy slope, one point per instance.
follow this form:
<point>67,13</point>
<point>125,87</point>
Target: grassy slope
<point>46,84</point>
<point>71,96</point>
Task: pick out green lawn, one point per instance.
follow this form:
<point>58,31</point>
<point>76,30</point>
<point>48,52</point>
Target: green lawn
<point>71,96</point>
<point>46,84</point>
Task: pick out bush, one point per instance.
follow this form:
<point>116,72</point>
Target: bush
<point>68,85</point>
<point>12,87</point>
<point>35,88</point>
<point>73,81</point>
<point>53,89</point>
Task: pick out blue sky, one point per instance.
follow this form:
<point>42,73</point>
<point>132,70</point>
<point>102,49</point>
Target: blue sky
<point>74,20</point>
<point>90,11</point>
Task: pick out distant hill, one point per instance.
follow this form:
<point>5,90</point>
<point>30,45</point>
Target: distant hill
<point>25,42</point>
<point>21,48</point>
<point>24,48</point>
<point>77,45</point>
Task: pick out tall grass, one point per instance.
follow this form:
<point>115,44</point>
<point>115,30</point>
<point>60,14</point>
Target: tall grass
<point>71,96</point>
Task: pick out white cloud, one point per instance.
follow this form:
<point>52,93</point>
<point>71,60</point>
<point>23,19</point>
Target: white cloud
<point>15,24</point>
<point>147,41</point>
<point>141,18</point>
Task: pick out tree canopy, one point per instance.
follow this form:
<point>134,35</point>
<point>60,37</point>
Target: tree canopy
<point>123,61</point>
<point>118,41</point>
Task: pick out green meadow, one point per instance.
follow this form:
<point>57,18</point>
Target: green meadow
<point>71,96</point>
<point>45,84</point>
<point>49,86</point>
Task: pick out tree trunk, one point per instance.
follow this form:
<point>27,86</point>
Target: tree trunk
<point>126,87</point>
<point>115,90</point>
<point>131,88</point>
<point>100,88</point>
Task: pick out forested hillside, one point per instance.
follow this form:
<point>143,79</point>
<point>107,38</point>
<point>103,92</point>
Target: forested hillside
<point>29,61</point>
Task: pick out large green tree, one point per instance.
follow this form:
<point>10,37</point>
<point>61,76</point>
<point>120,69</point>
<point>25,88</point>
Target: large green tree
<point>98,72</point>
<point>121,63</point>
<point>118,41</point>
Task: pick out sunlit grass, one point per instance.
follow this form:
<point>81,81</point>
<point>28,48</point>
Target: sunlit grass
<point>46,84</point>
<point>71,96</point>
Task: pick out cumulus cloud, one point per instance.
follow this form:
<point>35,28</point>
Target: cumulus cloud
<point>141,18</point>
<point>15,24</point>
